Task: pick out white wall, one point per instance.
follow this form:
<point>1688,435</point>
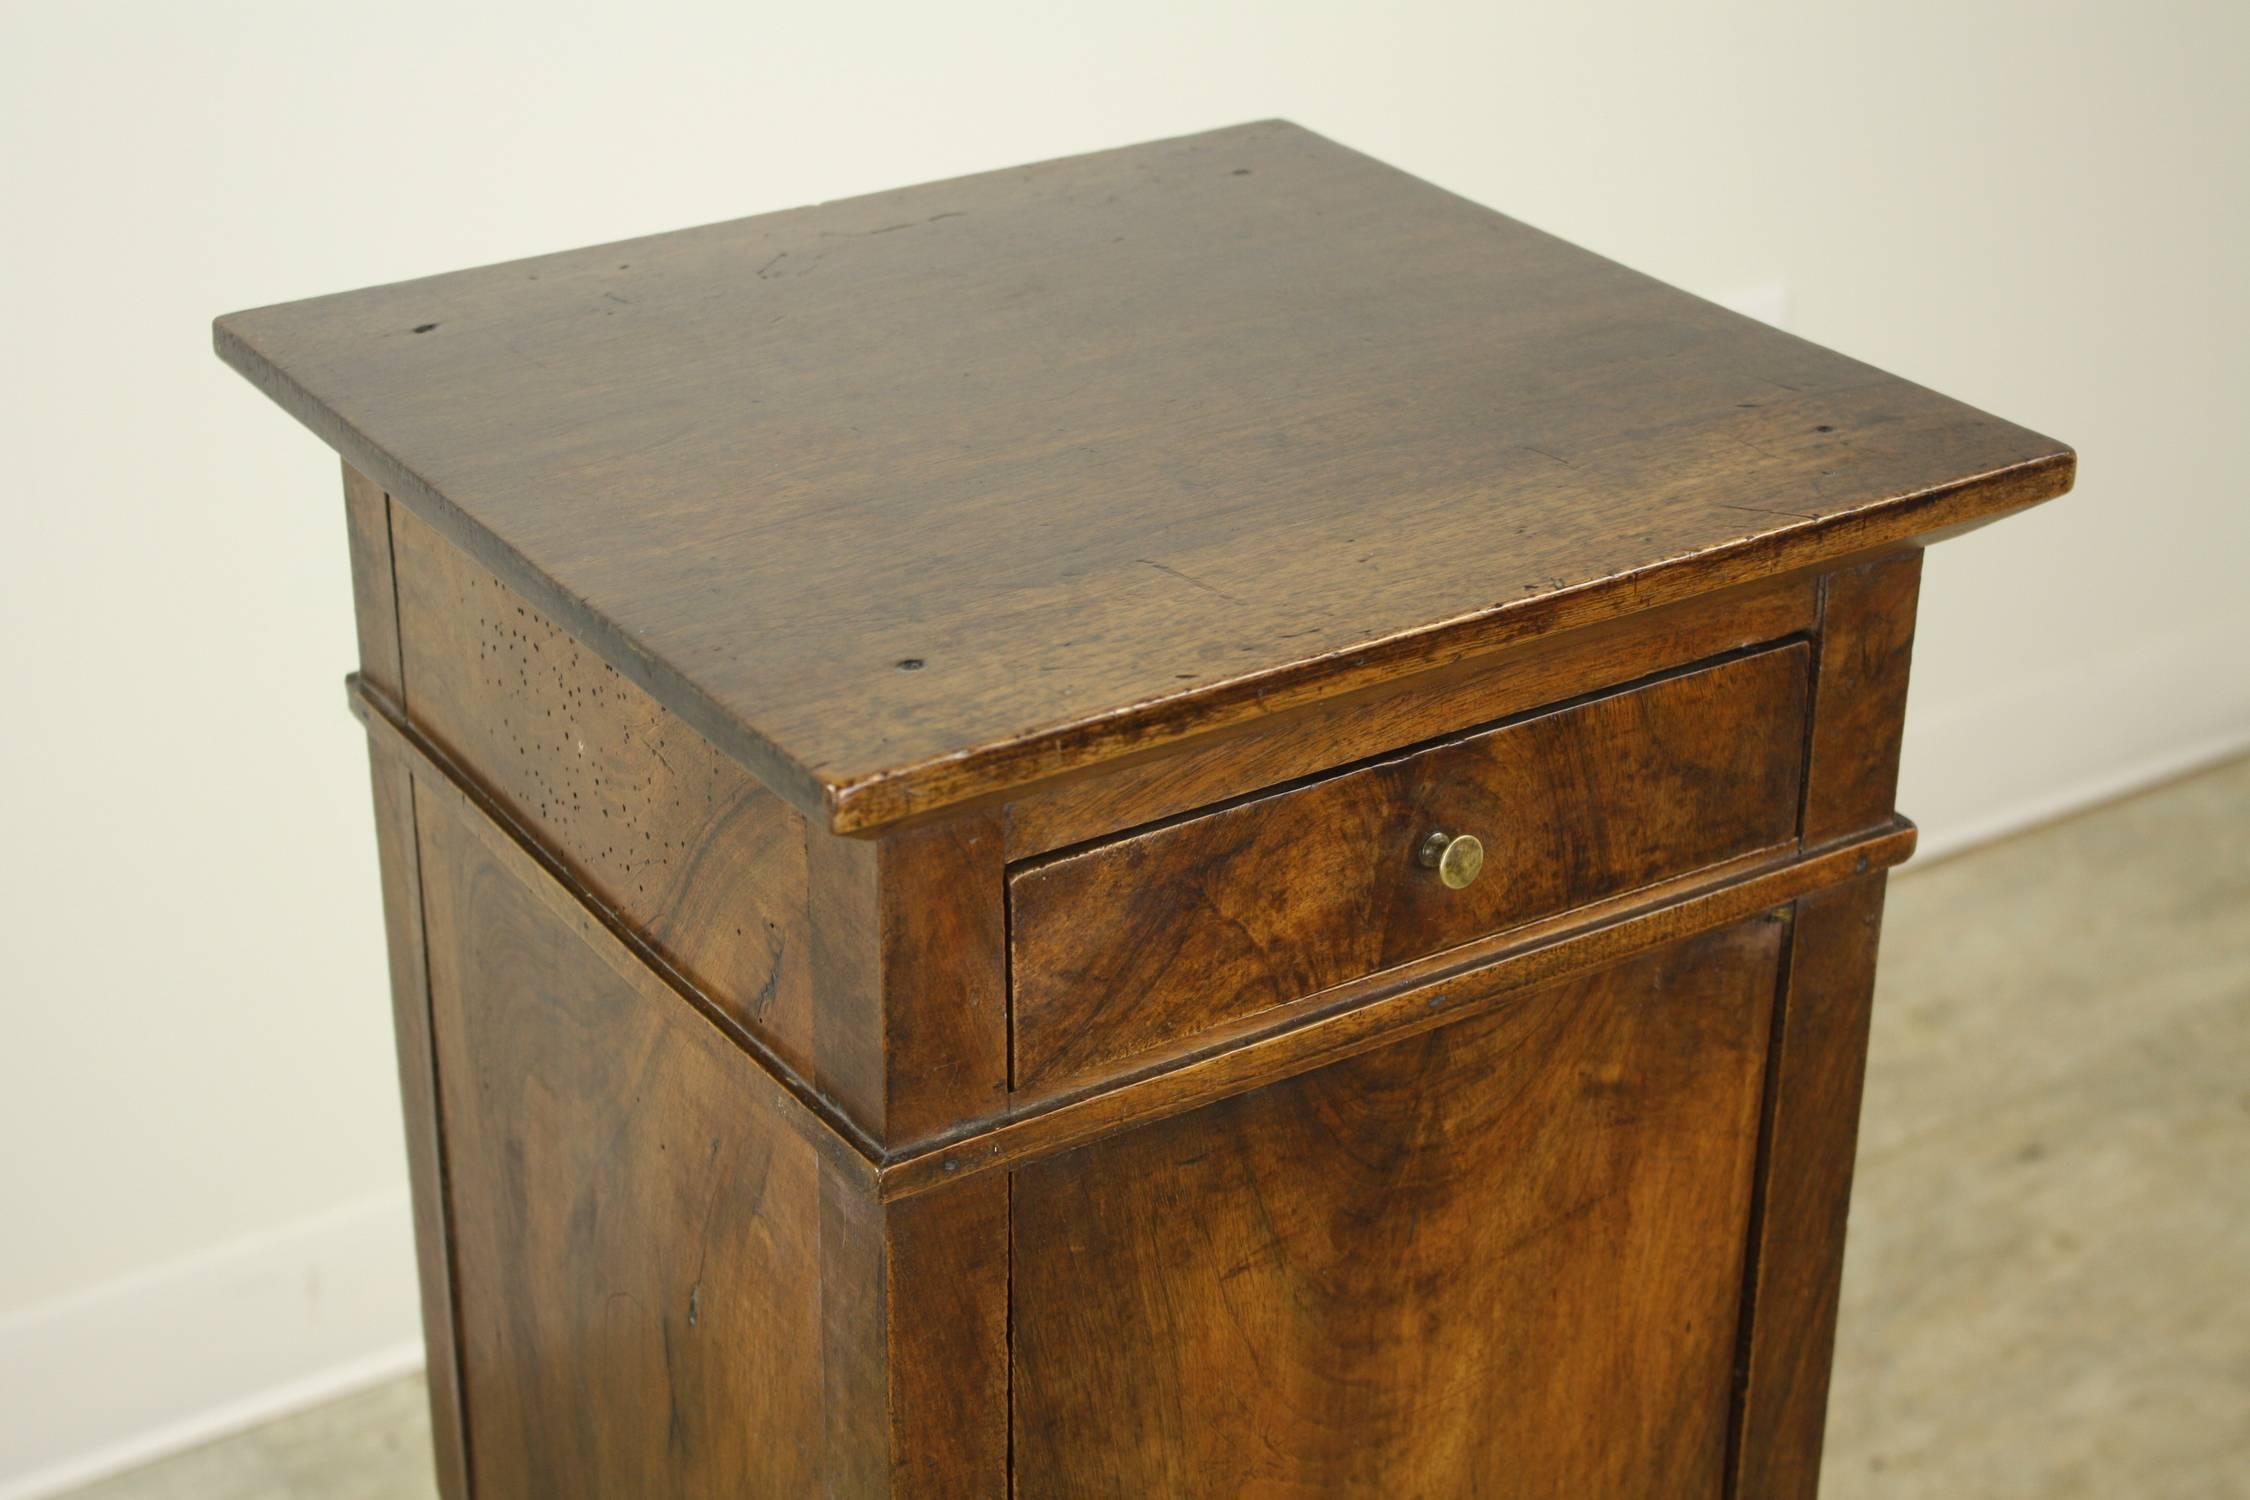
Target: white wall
<point>2038,207</point>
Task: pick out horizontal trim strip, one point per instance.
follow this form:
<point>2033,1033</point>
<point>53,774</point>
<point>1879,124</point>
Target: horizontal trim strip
<point>1398,1003</point>
<point>1348,1020</point>
<point>802,1107</point>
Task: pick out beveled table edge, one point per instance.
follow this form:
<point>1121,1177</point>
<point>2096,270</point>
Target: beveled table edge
<point>864,801</point>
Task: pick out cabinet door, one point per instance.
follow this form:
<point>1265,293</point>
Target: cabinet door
<point>1502,1257</point>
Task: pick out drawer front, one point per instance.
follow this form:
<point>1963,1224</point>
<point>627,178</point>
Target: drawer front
<point>1144,942</point>
<point>1503,1257</point>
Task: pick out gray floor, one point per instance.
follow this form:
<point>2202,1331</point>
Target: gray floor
<point>2045,1291</point>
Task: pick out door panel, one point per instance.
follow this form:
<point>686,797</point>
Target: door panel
<point>1500,1258</point>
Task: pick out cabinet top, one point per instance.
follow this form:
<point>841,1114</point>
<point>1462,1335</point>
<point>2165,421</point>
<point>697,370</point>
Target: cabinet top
<point>908,499</point>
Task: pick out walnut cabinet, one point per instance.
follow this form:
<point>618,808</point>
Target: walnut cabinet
<point>1196,821</point>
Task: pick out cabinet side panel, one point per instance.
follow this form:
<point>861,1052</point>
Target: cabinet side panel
<point>704,862</point>
<point>1500,1257</point>
<point>1820,1061</point>
<point>636,1228</point>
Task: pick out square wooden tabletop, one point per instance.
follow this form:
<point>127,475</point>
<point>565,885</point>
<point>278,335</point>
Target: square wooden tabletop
<point>912,498</point>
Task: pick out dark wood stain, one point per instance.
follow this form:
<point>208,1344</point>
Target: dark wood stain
<point>1285,746</point>
<point>638,1234</point>
<point>440,786</point>
<point>374,591</point>
<point>367,524</point>
<point>948,1283</point>
<point>1812,1130</point>
<point>1866,647</point>
<point>914,1359</point>
<point>1383,1009</point>
<point>1497,1259</point>
<point>705,862</point>
<point>425,1151</point>
<point>910,976</point>
<point>1163,934</point>
<point>899,731</point>
<point>1115,450</point>
<point>1256,1051</point>
<point>942,940</point>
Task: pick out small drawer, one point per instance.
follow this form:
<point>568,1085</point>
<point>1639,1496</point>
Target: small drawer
<point>1144,941</point>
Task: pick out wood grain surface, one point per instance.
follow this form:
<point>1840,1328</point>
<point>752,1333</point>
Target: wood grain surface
<point>910,981</point>
<point>919,497</point>
<point>367,522</point>
<point>1867,615</point>
<point>706,863</point>
<point>636,1233</point>
<point>1162,935</point>
<point>367,525</point>
<point>1354,1018</point>
<point>1340,731</point>
<point>900,732</point>
<point>400,859</point>
<point>669,1287</point>
<point>1812,1130</point>
<point>1499,1259</point>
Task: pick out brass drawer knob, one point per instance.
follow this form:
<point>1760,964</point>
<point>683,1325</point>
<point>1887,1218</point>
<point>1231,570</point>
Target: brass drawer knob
<point>1458,858</point>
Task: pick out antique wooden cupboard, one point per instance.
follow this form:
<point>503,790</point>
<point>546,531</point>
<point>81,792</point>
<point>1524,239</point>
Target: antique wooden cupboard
<point>1196,821</point>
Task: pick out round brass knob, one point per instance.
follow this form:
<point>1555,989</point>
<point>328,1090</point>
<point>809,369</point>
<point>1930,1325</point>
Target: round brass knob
<point>1458,858</point>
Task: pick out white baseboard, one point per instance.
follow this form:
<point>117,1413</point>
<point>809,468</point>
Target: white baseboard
<point>1989,757</point>
<point>1959,836</point>
<point>168,1358</point>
